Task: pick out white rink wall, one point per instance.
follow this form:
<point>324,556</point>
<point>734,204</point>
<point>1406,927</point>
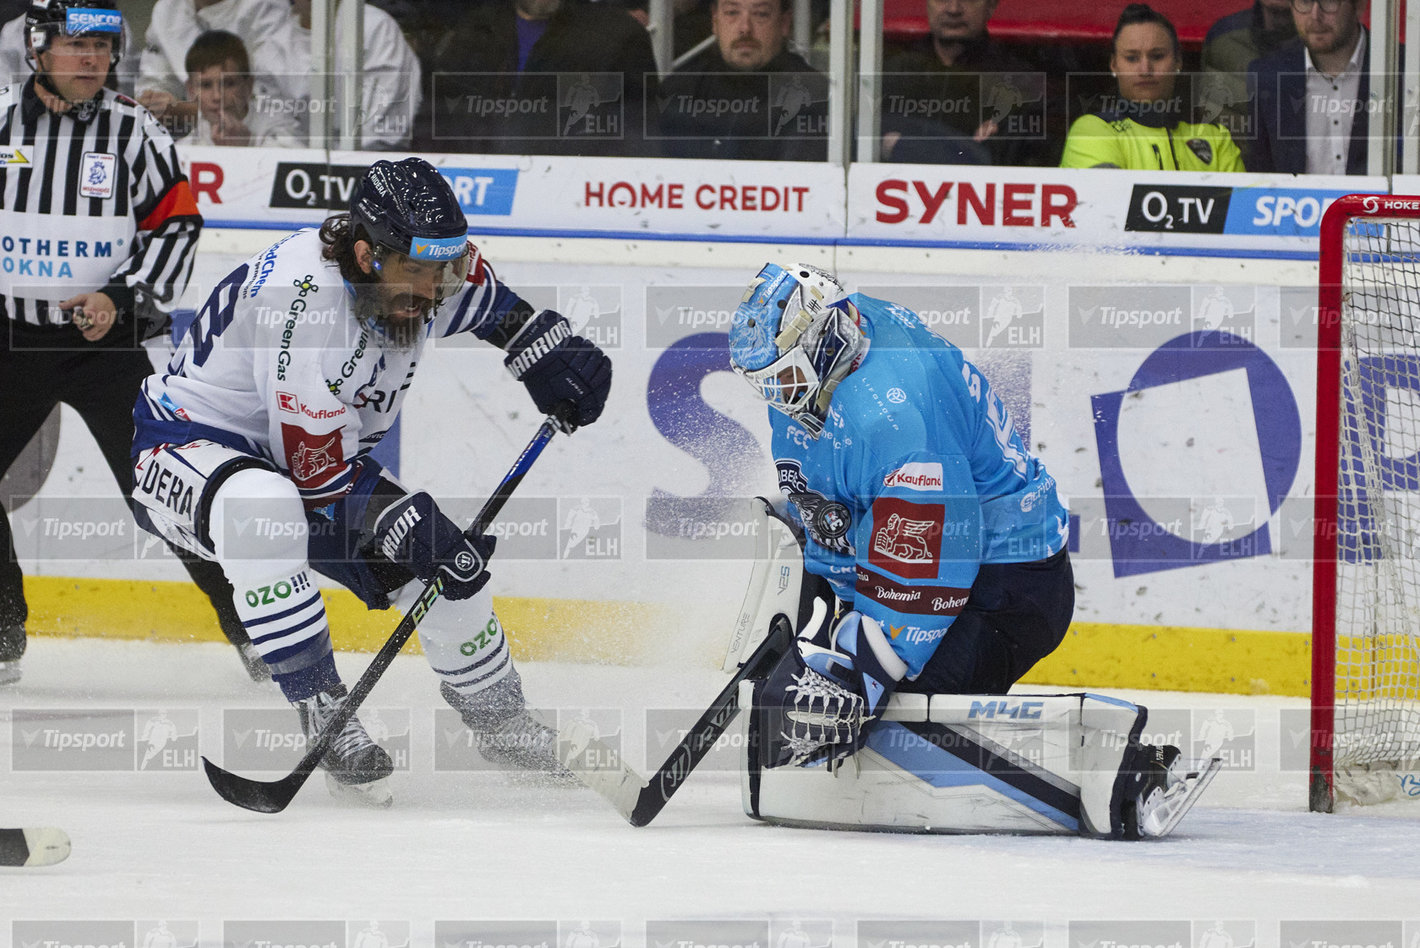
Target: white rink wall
<point>1159,358</point>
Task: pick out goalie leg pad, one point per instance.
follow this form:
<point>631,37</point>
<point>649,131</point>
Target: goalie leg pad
<point>977,764</point>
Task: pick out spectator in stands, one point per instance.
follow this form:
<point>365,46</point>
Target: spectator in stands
<point>957,96</point>
<point>494,80</point>
<point>746,96</point>
<point>1146,125</point>
<point>162,78</point>
<point>219,80</point>
<point>1312,95</point>
<point>16,67</point>
<point>1230,47</point>
<point>389,96</point>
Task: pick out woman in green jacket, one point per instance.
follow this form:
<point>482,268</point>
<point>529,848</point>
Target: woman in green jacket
<point>1143,127</point>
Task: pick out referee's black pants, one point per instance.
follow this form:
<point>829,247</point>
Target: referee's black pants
<point>41,367</point>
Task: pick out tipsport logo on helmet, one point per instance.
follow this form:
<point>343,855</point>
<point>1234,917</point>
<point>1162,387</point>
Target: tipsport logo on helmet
<point>79,22</point>
<point>437,248</point>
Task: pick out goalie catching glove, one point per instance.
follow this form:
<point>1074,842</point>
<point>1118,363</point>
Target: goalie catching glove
<point>820,702</point>
<point>413,532</point>
<point>566,375</point>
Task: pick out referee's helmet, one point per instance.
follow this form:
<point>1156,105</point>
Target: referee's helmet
<point>46,19</point>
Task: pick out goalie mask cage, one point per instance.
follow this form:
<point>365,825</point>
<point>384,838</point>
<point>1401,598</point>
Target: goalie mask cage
<point>1365,716</point>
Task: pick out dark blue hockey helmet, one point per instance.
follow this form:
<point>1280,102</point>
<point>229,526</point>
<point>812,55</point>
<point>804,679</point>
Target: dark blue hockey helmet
<point>408,207</point>
<point>46,19</point>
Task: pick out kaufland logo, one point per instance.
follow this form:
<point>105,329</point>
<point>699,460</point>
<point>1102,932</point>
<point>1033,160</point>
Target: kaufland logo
<point>915,476</point>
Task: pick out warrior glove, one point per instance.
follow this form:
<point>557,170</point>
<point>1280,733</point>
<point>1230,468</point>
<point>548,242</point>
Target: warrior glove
<point>566,375</point>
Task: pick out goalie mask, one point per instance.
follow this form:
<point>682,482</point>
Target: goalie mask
<point>408,213</point>
<point>794,340</point>
<point>46,19</point>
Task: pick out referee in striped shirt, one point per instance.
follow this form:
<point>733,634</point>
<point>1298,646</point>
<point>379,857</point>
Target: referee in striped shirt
<point>97,231</point>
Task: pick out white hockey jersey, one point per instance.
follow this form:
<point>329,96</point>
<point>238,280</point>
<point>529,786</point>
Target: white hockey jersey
<point>277,364</point>
<point>176,23</point>
<point>390,86</point>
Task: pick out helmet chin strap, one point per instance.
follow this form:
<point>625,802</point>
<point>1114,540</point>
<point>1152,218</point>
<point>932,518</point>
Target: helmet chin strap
<point>82,111</point>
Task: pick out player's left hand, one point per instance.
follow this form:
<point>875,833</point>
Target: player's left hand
<point>93,314</point>
<point>566,375</point>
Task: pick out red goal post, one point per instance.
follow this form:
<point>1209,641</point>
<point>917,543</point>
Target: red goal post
<point>1365,714</point>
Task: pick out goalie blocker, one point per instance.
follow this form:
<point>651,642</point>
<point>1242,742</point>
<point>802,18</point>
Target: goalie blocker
<point>1051,764</point>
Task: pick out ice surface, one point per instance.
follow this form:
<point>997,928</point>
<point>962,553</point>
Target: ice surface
<point>152,846</point>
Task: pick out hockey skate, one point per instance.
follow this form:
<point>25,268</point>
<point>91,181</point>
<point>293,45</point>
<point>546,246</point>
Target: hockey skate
<point>356,768</point>
<point>507,736</point>
<point>12,646</point>
<point>1165,789</point>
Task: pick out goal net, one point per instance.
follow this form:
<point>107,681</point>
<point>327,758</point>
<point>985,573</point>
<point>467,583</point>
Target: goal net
<point>1366,594</point>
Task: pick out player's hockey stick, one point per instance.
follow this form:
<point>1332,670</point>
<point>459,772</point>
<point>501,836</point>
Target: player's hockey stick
<point>272,796</point>
<point>640,800</point>
<point>33,846</point>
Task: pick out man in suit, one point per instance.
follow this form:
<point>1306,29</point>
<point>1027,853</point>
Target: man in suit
<point>1312,95</point>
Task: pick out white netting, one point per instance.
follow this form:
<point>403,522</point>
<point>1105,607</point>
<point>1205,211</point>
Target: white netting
<point>1377,683</point>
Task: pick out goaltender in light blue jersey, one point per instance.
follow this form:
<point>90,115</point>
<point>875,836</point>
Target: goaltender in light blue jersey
<point>918,478</point>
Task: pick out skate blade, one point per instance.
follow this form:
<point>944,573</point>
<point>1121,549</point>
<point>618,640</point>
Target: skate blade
<point>1179,800</point>
<point>375,794</point>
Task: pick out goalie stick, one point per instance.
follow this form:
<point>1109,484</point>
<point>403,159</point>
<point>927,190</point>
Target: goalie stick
<point>639,800</point>
<point>272,796</point>
<point>33,846</point>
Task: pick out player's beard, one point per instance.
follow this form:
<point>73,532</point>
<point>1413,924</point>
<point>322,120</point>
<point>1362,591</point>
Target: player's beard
<point>401,332</point>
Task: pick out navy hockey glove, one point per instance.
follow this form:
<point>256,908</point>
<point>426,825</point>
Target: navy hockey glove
<point>414,533</point>
<point>565,374</point>
<point>819,703</point>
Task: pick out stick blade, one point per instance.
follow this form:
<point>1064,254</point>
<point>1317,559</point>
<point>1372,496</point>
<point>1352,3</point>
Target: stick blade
<point>262,796</point>
<point>33,846</point>
<point>617,783</point>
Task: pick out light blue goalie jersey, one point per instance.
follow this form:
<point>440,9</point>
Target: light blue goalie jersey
<point>918,478</point>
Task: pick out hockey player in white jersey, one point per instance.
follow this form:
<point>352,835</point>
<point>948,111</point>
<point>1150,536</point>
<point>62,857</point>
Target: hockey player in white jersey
<point>252,449</point>
<point>944,540</point>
